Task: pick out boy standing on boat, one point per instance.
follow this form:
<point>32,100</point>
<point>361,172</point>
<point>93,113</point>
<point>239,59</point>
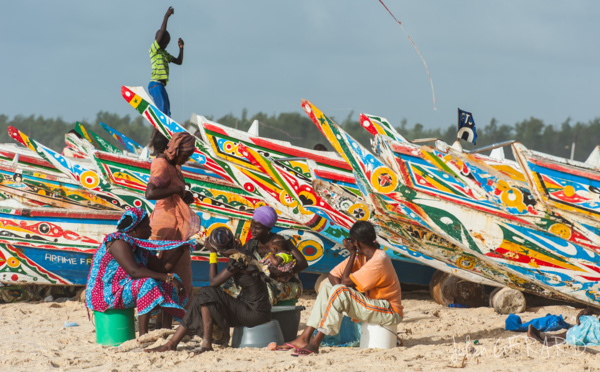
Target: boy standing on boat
<point>160,59</point>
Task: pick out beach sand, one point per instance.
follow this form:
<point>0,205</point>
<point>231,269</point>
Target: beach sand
<point>435,338</point>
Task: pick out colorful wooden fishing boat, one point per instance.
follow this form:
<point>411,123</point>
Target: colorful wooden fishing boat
<point>225,160</point>
<point>217,201</point>
<point>567,187</point>
<point>291,189</point>
<point>507,184</point>
<point>106,174</point>
<point>343,213</point>
<point>131,146</point>
<point>385,180</point>
<point>490,232</point>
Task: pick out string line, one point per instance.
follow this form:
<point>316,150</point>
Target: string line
<point>417,49</point>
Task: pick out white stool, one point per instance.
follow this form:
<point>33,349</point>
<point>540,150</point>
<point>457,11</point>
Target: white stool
<point>376,336</point>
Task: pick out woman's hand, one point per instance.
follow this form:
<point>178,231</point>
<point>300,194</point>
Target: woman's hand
<point>350,245</point>
<point>178,286</point>
<point>237,243</point>
<point>209,246</point>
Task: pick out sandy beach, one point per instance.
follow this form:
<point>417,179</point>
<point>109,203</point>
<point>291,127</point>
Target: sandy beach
<point>434,338</point>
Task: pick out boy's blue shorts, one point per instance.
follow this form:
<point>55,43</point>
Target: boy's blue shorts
<point>158,92</point>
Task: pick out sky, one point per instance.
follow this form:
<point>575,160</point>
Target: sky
<point>509,60</point>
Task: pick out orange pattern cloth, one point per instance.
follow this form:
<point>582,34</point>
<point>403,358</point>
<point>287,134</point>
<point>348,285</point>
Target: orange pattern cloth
<point>376,278</point>
<point>171,219</point>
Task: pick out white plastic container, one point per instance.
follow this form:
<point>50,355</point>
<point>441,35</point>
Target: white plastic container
<point>375,336</point>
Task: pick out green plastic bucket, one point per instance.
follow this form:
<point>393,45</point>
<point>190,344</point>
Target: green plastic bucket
<point>115,326</point>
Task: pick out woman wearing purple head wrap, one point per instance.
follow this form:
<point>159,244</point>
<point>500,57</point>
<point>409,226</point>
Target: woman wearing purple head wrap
<point>282,285</point>
<point>266,216</point>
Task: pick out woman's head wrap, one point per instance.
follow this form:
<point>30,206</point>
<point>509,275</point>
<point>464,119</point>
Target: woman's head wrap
<point>180,142</point>
<point>136,215</point>
<point>266,216</point>
<point>221,238</point>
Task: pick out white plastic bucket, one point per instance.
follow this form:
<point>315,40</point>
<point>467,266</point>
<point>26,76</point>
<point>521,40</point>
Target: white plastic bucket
<point>375,336</point>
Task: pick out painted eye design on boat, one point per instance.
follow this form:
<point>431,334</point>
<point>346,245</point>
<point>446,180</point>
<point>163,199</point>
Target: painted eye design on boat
<point>44,228</point>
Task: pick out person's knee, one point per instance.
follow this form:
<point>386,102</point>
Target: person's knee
<point>338,291</point>
<point>337,287</point>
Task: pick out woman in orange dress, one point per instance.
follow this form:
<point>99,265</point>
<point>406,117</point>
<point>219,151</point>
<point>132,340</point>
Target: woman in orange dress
<point>172,218</point>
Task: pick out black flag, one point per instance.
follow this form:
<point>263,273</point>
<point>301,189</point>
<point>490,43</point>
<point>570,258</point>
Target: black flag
<point>466,127</point>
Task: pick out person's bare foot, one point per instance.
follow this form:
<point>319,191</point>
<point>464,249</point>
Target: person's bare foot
<point>533,333</point>
<point>308,350</point>
<point>285,347</point>
<point>160,349</point>
<point>296,344</point>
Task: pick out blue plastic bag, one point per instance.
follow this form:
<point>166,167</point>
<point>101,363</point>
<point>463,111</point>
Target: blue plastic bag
<point>548,323</point>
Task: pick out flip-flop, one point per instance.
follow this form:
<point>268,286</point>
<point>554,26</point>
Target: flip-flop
<point>279,348</point>
<point>291,347</point>
<point>302,352</point>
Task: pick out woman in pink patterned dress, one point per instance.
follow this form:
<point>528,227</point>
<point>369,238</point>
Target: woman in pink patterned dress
<point>125,273</point>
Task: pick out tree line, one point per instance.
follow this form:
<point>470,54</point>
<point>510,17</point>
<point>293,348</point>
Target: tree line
<point>299,130</point>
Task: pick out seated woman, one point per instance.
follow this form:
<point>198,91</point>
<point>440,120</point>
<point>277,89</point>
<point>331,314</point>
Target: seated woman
<point>212,308</point>
<point>125,273</point>
<point>282,285</point>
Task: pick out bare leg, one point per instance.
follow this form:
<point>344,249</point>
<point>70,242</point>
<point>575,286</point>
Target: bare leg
<point>207,324</point>
<point>166,320</point>
<point>143,321</point>
<point>172,343</point>
<point>314,343</point>
<point>183,268</point>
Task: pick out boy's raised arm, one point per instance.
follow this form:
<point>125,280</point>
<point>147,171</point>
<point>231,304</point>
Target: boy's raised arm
<point>179,59</point>
<point>163,27</point>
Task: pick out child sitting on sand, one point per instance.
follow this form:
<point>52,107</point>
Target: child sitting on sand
<point>279,257</point>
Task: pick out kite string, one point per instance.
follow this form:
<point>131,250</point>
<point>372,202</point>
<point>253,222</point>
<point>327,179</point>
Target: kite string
<point>417,49</point>
<point>183,83</point>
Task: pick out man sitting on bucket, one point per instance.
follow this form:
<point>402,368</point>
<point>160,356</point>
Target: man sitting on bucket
<point>366,290</point>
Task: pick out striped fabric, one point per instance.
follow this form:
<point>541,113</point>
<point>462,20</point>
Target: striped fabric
<point>159,58</point>
<point>335,301</point>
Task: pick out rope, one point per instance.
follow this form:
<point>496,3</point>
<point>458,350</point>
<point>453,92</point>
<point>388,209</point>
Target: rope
<point>417,49</point>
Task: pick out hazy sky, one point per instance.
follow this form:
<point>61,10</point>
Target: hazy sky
<point>505,59</point>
